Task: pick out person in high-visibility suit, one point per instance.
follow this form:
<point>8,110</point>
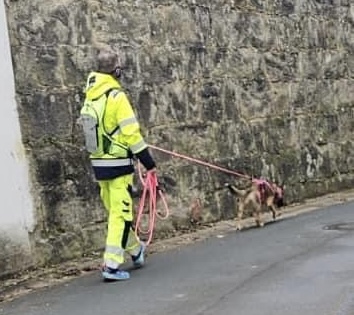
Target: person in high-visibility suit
<point>119,141</point>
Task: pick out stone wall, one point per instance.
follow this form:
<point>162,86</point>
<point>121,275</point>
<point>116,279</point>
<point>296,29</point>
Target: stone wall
<point>262,87</point>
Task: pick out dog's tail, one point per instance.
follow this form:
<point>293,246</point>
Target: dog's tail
<point>236,191</point>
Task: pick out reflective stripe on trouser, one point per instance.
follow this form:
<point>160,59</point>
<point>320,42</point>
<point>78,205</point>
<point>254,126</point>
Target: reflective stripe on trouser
<point>120,235</point>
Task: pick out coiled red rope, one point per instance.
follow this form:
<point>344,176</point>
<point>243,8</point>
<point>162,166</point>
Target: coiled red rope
<point>150,191</point>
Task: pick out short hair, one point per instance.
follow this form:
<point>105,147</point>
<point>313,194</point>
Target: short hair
<point>107,60</point>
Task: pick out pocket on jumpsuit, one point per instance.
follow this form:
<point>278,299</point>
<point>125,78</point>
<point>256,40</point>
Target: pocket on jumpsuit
<point>123,197</point>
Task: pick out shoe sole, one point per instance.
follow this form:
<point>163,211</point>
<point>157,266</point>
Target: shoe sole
<point>109,277</point>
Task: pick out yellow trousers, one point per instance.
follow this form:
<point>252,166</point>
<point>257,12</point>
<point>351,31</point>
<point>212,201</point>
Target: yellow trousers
<point>120,235</point>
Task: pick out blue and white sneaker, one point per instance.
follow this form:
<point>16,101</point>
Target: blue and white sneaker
<point>139,260</point>
<point>115,274</point>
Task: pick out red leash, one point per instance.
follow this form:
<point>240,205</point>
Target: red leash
<point>219,168</point>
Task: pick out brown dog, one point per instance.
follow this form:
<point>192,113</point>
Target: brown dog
<point>261,194</point>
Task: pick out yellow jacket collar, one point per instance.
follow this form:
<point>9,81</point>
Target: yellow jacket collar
<point>98,84</point>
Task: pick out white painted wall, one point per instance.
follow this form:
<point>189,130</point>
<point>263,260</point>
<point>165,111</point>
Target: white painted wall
<point>16,207</point>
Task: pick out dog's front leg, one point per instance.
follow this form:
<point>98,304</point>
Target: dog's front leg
<point>271,207</point>
<point>274,212</point>
<point>259,220</point>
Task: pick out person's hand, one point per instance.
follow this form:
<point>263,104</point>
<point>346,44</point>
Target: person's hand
<point>153,170</point>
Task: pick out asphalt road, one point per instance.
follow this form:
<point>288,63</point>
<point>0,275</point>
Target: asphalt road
<point>294,266</point>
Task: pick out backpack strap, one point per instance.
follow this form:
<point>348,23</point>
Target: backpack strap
<point>130,154</point>
<point>107,94</point>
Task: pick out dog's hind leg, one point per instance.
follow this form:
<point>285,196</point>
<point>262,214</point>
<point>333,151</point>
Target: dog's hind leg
<point>239,215</point>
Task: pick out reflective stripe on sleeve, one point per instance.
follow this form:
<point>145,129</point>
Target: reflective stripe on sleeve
<point>122,124</point>
<point>111,162</point>
<point>128,121</point>
<point>138,146</point>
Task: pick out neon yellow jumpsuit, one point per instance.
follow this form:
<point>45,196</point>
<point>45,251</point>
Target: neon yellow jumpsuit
<point>114,170</point>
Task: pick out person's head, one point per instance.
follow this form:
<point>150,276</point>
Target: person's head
<point>108,62</point>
